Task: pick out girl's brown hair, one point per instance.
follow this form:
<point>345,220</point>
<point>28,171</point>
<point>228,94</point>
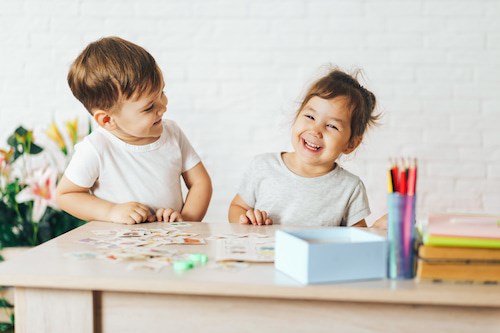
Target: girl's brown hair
<point>110,69</point>
<point>360,100</point>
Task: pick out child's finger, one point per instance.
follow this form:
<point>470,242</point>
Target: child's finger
<point>251,216</point>
<point>264,217</point>
<point>143,207</point>
<point>244,219</point>
<point>159,214</point>
<point>136,217</point>
<point>258,217</point>
<point>175,217</point>
<point>167,213</point>
<point>143,213</point>
<point>269,221</point>
<point>128,220</point>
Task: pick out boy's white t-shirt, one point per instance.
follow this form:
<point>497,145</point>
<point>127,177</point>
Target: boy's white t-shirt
<point>335,199</point>
<point>119,172</point>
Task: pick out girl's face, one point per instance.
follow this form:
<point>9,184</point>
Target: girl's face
<point>140,122</point>
<point>320,133</point>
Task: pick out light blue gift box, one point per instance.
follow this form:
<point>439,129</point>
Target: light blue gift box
<point>330,255</point>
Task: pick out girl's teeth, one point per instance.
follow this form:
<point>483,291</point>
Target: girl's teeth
<point>312,146</point>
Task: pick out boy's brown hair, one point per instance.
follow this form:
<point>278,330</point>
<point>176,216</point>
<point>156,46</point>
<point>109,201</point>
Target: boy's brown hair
<point>361,101</point>
<point>110,70</point>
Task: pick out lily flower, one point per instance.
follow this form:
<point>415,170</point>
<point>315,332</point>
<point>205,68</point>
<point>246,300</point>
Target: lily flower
<point>72,127</point>
<point>25,138</point>
<point>41,189</point>
<point>5,156</point>
<point>5,159</point>
<point>54,133</point>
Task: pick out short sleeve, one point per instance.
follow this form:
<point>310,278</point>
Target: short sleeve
<point>83,169</point>
<point>189,156</point>
<point>358,207</point>
<point>248,185</point>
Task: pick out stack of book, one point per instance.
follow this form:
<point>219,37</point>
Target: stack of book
<point>459,247</point>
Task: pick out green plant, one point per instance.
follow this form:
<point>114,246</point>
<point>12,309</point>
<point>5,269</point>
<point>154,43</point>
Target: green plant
<point>28,177</point>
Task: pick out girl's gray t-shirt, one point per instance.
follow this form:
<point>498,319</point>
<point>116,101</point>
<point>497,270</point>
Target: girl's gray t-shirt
<point>335,199</point>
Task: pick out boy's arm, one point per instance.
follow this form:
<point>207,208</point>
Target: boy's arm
<point>200,191</point>
<point>78,202</point>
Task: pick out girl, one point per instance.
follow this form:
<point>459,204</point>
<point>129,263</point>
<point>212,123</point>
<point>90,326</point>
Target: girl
<point>307,186</point>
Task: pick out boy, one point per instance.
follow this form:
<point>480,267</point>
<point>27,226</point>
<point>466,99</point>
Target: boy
<point>128,169</point>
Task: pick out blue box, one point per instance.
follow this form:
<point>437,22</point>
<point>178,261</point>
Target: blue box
<point>330,255</point>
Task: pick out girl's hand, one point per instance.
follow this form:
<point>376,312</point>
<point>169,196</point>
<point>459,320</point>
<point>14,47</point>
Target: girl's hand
<point>255,217</point>
<point>128,213</point>
<point>166,215</point>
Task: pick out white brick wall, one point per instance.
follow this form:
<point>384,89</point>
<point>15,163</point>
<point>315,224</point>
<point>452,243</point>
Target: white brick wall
<point>235,71</point>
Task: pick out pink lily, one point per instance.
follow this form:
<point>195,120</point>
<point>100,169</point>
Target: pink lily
<point>41,188</point>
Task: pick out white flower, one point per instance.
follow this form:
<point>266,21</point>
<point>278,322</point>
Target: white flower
<point>41,188</point>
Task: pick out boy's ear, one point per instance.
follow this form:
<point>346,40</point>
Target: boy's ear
<point>353,144</point>
<point>103,119</point>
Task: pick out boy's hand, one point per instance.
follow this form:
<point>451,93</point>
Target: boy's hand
<point>255,217</point>
<point>166,215</point>
<point>129,213</point>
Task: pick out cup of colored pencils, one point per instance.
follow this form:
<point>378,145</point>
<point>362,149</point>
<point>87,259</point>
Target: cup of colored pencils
<point>402,181</point>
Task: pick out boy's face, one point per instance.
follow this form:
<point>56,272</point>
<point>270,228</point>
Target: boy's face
<point>139,122</point>
<point>321,132</point>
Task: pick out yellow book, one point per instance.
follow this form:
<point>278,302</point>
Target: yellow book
<point>458,271</point>
<point>458,253</point>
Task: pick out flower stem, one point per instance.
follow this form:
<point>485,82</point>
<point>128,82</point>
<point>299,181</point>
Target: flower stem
<point>34,241</point>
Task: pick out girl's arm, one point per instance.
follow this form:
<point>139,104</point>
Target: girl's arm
<point>240,212</point>
<point>381,222</point>
<point>78,202</point>
<point>237,208</point>
<point>361,223</point>
<point>200,191</point>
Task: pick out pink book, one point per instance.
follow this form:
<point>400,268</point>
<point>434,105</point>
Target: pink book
<point>464,225</point>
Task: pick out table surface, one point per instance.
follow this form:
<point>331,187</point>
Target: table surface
<point>46,266</point>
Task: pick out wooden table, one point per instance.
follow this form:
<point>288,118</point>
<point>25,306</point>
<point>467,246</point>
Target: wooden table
<point>55,293</point>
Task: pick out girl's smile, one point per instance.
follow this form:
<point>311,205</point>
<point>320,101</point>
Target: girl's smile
<point>309,145</point>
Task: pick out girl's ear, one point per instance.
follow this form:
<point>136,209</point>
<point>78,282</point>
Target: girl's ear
<point>103,119</point>
<point>353,144</point>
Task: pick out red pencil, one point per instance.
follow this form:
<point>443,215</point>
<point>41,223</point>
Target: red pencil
<point>402,182</point>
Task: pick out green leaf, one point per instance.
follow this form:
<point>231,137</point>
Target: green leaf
<point>6,327</point>
<point>35,149</point>
<point>21,131</point>
<point>21,147</point>
<point>5,304</point>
